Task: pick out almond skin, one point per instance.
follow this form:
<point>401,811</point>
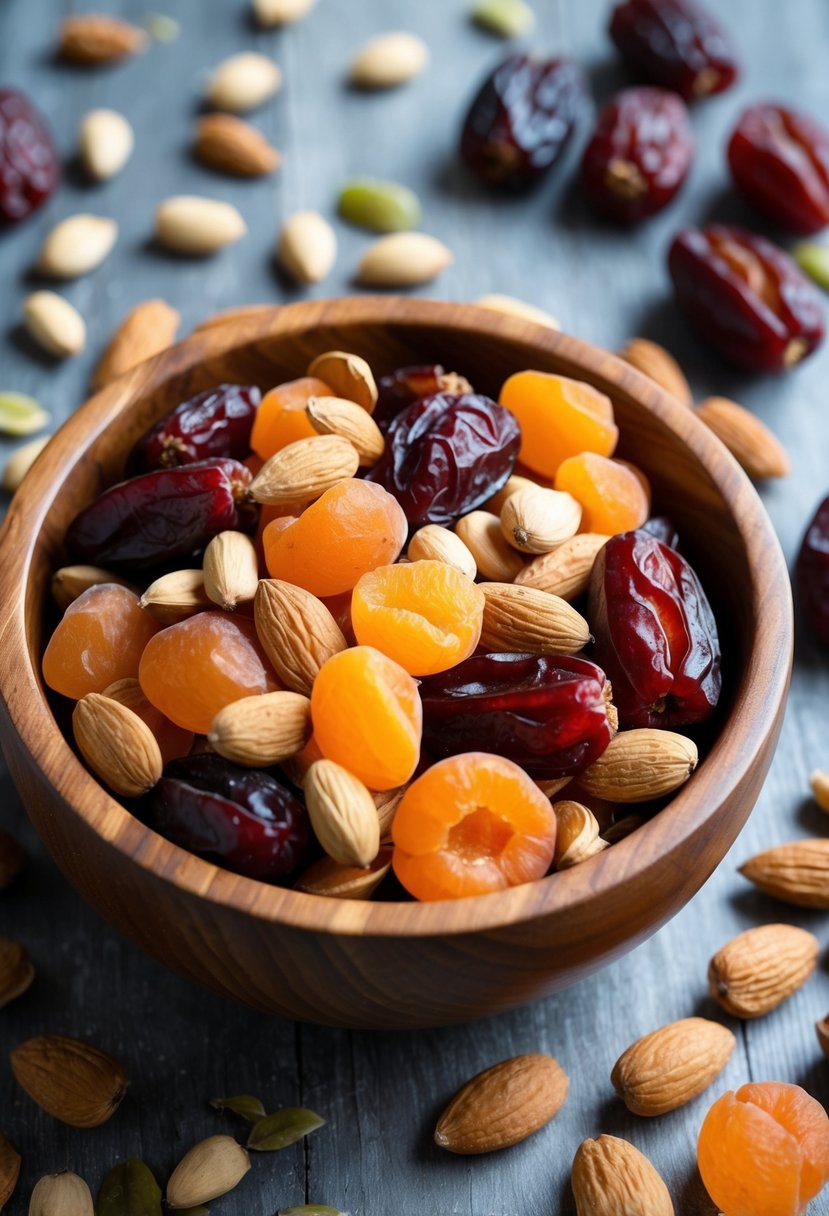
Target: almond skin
<point>262,730</point>
<point>117,745</point>
<point>146,330</point>
<point>71,581</point>
<point>209,1170</point>
<point>342,814</point>
<point>612,1178</point>
<point>749,440</point>
<point>566,571</point>
<point>305,469</point>
<point>757,970</point>
<point>797,873</point>
<point>654,361</point>
<point>503,1105</point>
<point>16,971</point>
<point>297,632</point>
<point>233,146</point>
<point>437,544</point>
<point>671,1066</point>
<point>523,619</point>
<point>10,1163</point>
<point>639,765</point>
<point>71,1080</point>
<point>328,877</point>
<point>93,38</point>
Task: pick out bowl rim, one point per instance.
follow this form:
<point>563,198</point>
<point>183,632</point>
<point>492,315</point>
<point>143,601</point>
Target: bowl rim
<point>752,717</point>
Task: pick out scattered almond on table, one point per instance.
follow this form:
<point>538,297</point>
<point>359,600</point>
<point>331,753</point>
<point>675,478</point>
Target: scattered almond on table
<point>503,1105</point>
<point>759,969</point>
<point>146,330</point>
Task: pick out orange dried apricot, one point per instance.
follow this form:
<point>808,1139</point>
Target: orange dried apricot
<point>172,740</point>
<point>367,716</point>
<point>764,1150</point>
<point>472,824</point>
<point>281,417</point>
<point>99,639</point>
<point>559,418</point>
<point>194,668</point>
<point>352,528</point>
<point>425,615</point>
<point>612,495</point>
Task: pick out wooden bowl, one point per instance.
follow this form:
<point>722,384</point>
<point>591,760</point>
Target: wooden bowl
<point>353,963</point>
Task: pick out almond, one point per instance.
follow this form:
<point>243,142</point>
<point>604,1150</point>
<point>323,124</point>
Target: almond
<point>819,783</point>
<point>388,60</point>
<point>749,440</point>
<point>759,969</point>
<point>503,1105</point>
<point>304,470</point>
<point>328,877</point>
<point>146,330</point>
<point>77,245</point>
<point>481,532</point>
<point>612,1178</point>
<point>523,619</point>
<point>262,730</point>
<point>9,1170</point>
<point>822,1029</point>
<point>337,416</point>
<point>281,12</point>
<point>349,375</point>
<point>342,814</point>
<point>61,1195</point>
<point>671,1066</point>
<point>403,259</point>
<point>20,461</point>
<point>511,486</point>
<point>307,247</point>
<point>641,764</point>
<point>654,361</point>
<point>190,224</point>
<point>577,834</point>
<point>71,581</point>
<point>233,146</point>
<point>231,570</point>
<point>117,745</point>
<point>94,38</point>
<point>437,544</point>
<point>554,786</point>
<point>243,82</point>
<point>106,142</point>
<point>176,595</point>
<point>69,1079</point>
<point>297,632</point>
<point>510,307</point>
<point>566,570</point>
<point>387,802</point>
<point>16,971</point>
<point>12,860</point>
<point>796,873</point>
<point>209,1170</point>
<point>54,324</point>
<point>538,520</point>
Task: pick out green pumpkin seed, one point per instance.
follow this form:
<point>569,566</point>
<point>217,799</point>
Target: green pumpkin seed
<point>162,28</point>
<point>245,1105</point>
<point>21,415</point>
<point>380,206</point>
<point>506,18</point>
<point>129,1189</point>
<point>282,1128</point>
<point>814,260</point>
<point>311,1209</point>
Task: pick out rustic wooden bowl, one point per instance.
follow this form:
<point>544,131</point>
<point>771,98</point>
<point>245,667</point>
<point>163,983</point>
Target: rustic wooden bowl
<point>396,964</point>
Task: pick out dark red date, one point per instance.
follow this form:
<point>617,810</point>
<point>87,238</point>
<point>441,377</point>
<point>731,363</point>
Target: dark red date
<point>639,155</point>
<point>446,454</point>
<point>813,572</point>
<point>656,636</point>
<point>779,160</point>
<point>548,713</point>
<point>676,44</point>
<point>520,120</point>
<point>29,167</point>
<point>408,384</point>
<point>240,816</point>
<point>161,516</point>
<point>746,297</point>
<point>217,422</point>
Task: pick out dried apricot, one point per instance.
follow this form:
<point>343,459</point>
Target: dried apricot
<point>281,417</point>
<point>469,825</point>
<point>559,418</point>
<point>173,742</point>
<point>612,494</point>
<point>425,615</point>
<point>367,716</point>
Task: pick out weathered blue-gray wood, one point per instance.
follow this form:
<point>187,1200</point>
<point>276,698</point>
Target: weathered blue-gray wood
<point>382,1092</point>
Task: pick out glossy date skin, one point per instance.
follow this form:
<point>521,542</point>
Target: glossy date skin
<point>241,816</point>
<point>676,44</point>
<point>779,160</point>
<point>656,636</point>
<point>520,120</point>
<point>639,155</point>
<point>548,713</point>
<point>746,297</point>
<point>403,387</point>
<point>163,515</point>
<point>813,572</point>
<point>29,166</point>
<point>217,422</point>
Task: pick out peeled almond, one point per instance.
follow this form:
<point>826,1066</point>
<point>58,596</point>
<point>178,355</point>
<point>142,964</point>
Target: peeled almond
<point>336,416</point>
<point>231,569</point>
<point>19,463</point>
<point>307,247</point>
<point>77,245</point>
<point>535,520</point>
<point>403,259</point>
<point>481,532</point>
<point>243,82</point>
<point>281,12</point>
<point>388,60</point>
<point>106,142</point>
<point>187,223</point>
<point>54,324</point>
<point>437,544</point>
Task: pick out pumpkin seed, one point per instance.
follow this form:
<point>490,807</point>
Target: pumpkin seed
<point>21,414</point>
<point>506,18</point>
<point>813,259</point>
<point>245,1105</point>
<point>162,28</point>
<point>282,1128</point>
<point>129,1189</point>
<point>380,206</point>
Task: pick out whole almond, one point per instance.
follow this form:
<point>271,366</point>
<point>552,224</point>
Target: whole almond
<point>403,259</point>
<point>511,486</point>
<point>304,470</point>
<point>262,730</point>
<point>337,416</point>
<point>77,245</point>
<point>639,765</point>
<point>10,1163</point>
<point>209,1170</point>
<point>71,581</point>
<point>388,60</point>
<point>307,247</point>
<point>749,440</point>
<point>145,331</point>
<point>538,520</point>
<point>106,142</point>
<point>523,619</point>
<point>69,1079</point>
<point>503,1105</point>
<point>231,570</point>
<point>759,969</point>
<point>117,745</point>
<point>297,632</point>
<point>671,1066</point>
<point>243,82</point>
<point>233,146</point>
<point>281,12</point>
<point>577,834</point>
<point>16,971</point>
<point>822,1030</point>
<point>566,570</point>
<point>61,1195</point>
<point>654,361</point>
<point>54,324</point>
<point>20,461</point>
<point>481,532</point>
<point>349,375</point>
<point>94,38</point>
<point>510,307</point>
<point>437,544</point>
<point>797,873</point>
<point>819,784</point>
<point>176,595</point>
<point>190,224</point>
<point>12,860</point>
<point>342,814</point>
<point>328,877</point>
<point>612,1178</point>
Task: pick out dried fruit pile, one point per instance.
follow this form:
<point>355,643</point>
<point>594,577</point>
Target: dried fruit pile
<point>391,672</point>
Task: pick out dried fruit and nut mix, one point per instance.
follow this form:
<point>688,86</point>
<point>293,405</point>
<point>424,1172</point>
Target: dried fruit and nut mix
<point>430,653</point>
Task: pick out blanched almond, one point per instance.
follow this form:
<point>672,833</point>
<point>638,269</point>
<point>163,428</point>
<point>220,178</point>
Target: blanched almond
<point>54,324</point>
<point>307,247</point>
<point>117,745</point>
<point>481,532</point>
<point>71,581</point>
<point>243,82</point>
<point>403,259</point>
<point>749,440</point>
<point>146,330</point>
<point>262,730</point>
<point>537,520</point>
<point>190,224</point>
<point>654,361</point>
<point>566,570</point>
<point>77,245</point>
<point>95,38</point>
<point>231,570</point>
<point>342,814</point>
<point>388,60</point>
<point>612,1178</point>
<point>233,146</point>
<point>641,764</point>
<point>523,619</point>
<point>297,632</point>
<point>348,374</point>
<point>797,873</point>
<point>19,463</point>
<point>176,595</point>
<point>759,969</point>
<point>671,1066</point>
<point>511,486</point>
<point>106,142</point>
<point>437,544</point>
<point>819,783</point>
<point>337,416</point>
<point>503,1105</point>
<point>281,12</point>
<point>304,470</point>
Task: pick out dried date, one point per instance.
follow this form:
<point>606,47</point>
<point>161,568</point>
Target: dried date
<point>217,422</point>
<point>813,572</point>
<point>676,44</point>
<point>29,166</point>
<point>779,160</point>
<point>408,384</point>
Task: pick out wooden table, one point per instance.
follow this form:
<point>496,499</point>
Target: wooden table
<point>381,1093</point>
